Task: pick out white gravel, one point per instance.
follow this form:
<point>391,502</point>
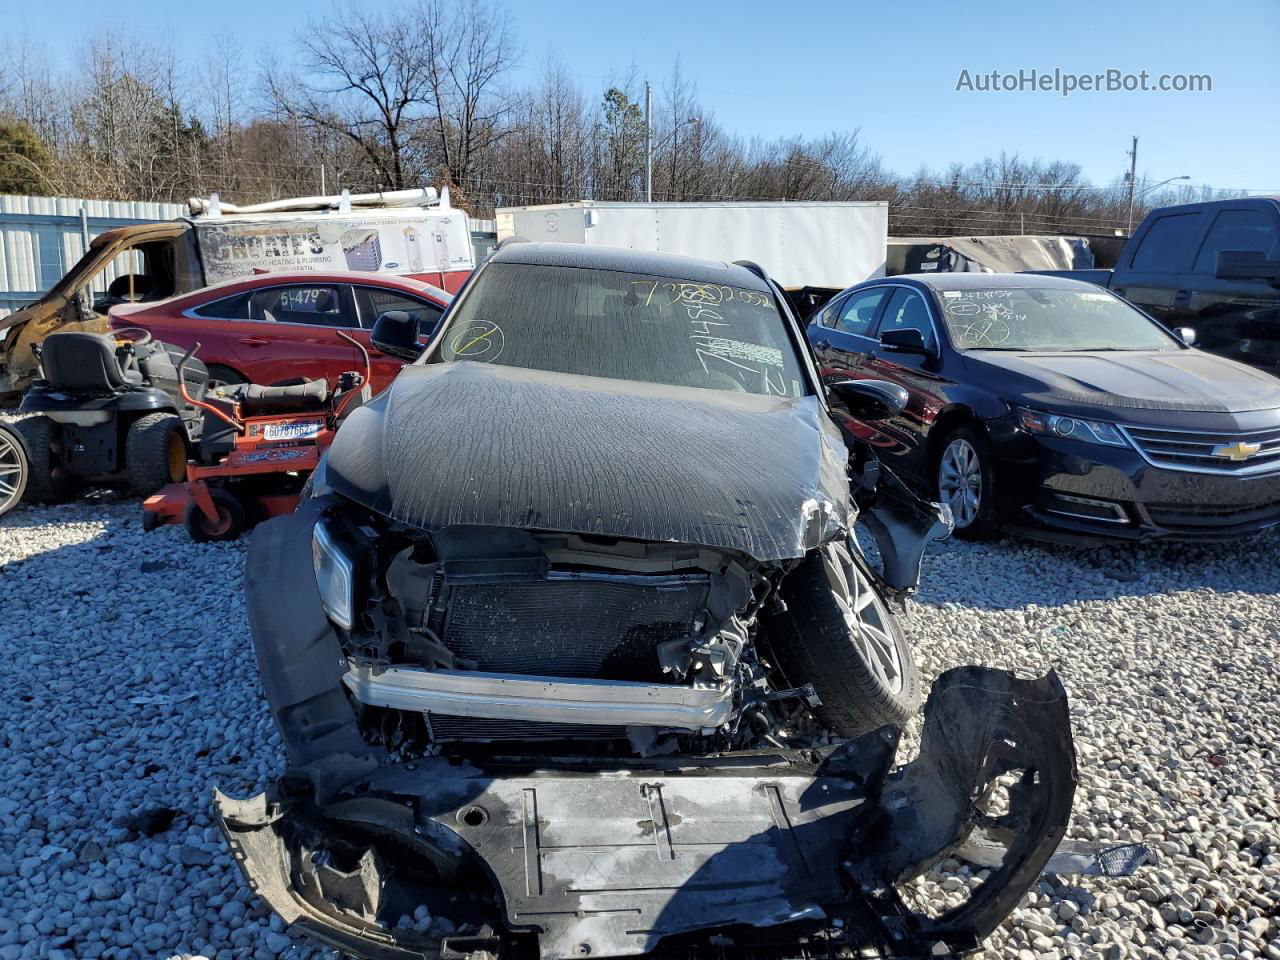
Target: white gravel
<point>1170,655</point>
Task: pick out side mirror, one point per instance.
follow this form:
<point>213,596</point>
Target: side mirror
<point>870,399</point>
<point>1187,335</point>
<point>1247,265</point>
<point>396,332</point>
<point>905,340</point>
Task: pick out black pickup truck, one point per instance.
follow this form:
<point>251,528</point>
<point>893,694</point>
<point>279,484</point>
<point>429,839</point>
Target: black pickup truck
<point>1213,267</point>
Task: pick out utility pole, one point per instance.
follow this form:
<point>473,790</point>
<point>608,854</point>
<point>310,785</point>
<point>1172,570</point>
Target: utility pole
<point>1133,175</point>
<point>648,142</point>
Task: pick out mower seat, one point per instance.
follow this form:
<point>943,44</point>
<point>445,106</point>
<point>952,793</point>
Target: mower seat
<point>308,395</point>
<point>86,363</point>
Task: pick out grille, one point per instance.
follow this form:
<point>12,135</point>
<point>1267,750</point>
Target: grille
<point>1187,516</point>
<point>573,626</point>
<point>1193,449</point>
<point>447,727</point>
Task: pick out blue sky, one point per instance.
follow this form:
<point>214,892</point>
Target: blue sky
<point>770,69</point>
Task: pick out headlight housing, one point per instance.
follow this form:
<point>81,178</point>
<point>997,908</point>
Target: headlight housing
<point>1074,428</point>
<point>335,576</point>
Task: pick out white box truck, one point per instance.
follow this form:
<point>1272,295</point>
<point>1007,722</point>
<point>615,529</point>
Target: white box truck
<point>801,244</point>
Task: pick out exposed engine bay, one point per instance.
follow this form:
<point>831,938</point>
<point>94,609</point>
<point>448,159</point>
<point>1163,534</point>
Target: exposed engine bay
<point>431,772</point>
<point>482,635</point>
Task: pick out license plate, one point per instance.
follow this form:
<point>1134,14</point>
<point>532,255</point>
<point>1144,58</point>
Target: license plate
<point>293,431</point>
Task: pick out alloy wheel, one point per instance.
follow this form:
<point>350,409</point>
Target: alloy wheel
<point>870,623</point>
<point>960,481</point>
<point>13,472</point>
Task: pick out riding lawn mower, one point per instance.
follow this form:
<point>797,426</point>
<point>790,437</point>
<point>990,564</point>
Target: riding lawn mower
<point>111,410</point>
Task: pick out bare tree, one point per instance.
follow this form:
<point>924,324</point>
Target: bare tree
<point>378,100</point>
<point>469,49</point>
<point>368,79</point>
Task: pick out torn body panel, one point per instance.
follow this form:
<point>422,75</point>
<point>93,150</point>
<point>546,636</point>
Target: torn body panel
<point>902,524</point>
<point>608,857</point>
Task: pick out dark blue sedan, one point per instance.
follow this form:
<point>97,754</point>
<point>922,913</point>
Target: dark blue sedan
<point>1053,407</point>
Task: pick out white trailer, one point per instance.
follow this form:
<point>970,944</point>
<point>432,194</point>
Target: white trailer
<point>802,243</point>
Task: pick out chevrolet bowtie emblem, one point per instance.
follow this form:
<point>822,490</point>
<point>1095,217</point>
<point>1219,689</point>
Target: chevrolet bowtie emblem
<point>1236,451</point>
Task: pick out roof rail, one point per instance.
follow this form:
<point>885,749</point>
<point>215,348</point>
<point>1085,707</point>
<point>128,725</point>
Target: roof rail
<point>505,241</point>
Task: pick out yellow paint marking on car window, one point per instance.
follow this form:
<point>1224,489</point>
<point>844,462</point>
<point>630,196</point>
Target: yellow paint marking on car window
<point>467,346</point>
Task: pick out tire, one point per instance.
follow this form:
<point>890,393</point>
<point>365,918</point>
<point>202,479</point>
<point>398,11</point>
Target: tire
<point>155,453</point>
<point>15,468</point>
<point>964,478</point>
<point>47,482</point>
<point>815,641</point>
<point>223,376</point>
<point>231,518</point>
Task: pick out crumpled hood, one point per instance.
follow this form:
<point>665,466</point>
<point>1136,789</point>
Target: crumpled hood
<point>474,443</point>
<point>1142,380</point>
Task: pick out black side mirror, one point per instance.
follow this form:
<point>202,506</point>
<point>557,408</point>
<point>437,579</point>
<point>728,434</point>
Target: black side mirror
<point>396,332</point>
<point>1247,265</point>
<point>870,399</point>
<point>905,340</point>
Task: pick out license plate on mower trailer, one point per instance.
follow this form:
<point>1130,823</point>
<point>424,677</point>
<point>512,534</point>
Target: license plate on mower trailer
<point>293,430</point>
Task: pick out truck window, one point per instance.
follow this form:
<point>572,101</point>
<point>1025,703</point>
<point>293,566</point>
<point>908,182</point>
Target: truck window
<point>151,267</point>
<point>1236,230</point>
<point>1166,247</point>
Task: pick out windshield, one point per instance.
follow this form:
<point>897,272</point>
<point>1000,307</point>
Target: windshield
<point>1031,318</point>
<point>628,326</point>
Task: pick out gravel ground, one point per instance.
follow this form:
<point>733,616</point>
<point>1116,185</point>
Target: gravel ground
<point>130,689</point>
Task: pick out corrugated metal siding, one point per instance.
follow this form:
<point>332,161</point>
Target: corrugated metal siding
<point>40,238</point>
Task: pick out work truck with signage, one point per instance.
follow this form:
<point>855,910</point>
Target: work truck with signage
<point>413,233</point>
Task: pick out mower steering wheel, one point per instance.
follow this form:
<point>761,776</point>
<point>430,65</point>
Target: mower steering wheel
<point>141,340</point>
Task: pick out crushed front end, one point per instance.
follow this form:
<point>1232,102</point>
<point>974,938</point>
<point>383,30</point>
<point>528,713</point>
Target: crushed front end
<point>784,852</point>
<point>442,800</point>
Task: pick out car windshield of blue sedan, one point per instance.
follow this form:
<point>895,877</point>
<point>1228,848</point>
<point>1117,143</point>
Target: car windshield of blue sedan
<point>627,326</point>
<point>1047,319</point>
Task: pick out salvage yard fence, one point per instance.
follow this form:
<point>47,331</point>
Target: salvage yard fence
<point>43,237</point>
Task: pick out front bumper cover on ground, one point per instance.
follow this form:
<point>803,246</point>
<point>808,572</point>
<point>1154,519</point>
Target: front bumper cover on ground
<point>785,851</point>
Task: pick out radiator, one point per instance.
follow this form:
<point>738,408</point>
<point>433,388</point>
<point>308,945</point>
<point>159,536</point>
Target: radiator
<point>573,625</point>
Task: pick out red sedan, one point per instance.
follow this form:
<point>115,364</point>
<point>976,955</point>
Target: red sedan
<point>280,326</point>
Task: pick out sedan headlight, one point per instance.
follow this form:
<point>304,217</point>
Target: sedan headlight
<point>335,576</point>
<point>1052,424</point>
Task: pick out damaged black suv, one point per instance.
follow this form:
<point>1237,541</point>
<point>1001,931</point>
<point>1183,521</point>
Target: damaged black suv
<point>556,636</point>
